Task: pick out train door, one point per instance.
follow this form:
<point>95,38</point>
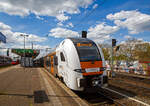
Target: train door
<point>49,64</point>
<point>45,62</point>
<point>63,67</point>
<point>52,64</point>
<point>55,65</point>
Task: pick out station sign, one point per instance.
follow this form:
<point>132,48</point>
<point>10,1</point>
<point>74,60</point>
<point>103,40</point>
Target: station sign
<point>19,51</point>
<point>2,38</point>
<point>26,52</point>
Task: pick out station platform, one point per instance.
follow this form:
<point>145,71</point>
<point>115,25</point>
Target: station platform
<point>34,87</point>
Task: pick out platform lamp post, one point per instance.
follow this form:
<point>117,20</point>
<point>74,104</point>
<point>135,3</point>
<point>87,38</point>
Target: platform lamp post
<point>32,44</point>
<point>24,45</point>
<point>47,49</point>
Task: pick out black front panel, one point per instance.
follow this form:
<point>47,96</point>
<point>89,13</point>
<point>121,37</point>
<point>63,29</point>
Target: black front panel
<point>87,49</point>
<point>89,81</point>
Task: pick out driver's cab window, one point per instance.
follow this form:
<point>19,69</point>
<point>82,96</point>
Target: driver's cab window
<point>62,56</point>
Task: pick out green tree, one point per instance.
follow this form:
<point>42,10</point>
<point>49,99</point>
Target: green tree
<point>142,51</point>
<point>106,53</point>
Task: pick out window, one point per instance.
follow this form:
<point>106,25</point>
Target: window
<point>55,60</point>
<point>48,61</point>
<point>86,49</point>
<point>62,56</point>
<point>63,42</point>
<point>88,53</point>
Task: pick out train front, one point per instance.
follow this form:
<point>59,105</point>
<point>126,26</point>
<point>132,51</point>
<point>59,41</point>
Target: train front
<point>92,65</point>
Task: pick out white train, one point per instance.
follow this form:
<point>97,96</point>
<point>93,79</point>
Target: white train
<point>79,62</point>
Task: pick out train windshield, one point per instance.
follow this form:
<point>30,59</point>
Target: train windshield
<point>88,52</point>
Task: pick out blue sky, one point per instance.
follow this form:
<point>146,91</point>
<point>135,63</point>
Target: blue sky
<point>103,19</point>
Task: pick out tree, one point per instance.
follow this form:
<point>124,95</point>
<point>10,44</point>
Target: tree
<point>106,53</point>
<point>142,51</point>
<point>127,49</point>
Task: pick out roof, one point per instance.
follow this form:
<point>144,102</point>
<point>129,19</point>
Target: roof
<point>80,40</point>
<point>26,52</point>
<point>44,53</point>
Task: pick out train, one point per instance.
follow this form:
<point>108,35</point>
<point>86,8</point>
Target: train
<point>5,60</point>
<point>78,62</point>
<point>15,62</point>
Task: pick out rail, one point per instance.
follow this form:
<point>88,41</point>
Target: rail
<point>111,99</point>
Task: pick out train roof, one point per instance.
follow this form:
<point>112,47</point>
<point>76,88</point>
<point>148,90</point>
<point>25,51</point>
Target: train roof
<point>80,40</point>
<point>74,40</point>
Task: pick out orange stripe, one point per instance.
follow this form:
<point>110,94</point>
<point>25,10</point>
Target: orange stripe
<point>92,73</point>
<point>52,65</point>
<point>51,54</point>
<point>91,64</point>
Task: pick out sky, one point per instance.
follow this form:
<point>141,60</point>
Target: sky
<point>48,22</point>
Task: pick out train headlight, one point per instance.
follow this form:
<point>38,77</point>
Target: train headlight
<point>96,82</point>
<point>102,68</point>
<point>80,70</point>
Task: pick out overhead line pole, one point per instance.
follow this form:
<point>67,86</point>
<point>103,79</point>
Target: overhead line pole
<point>112,55</point>
<point>24,45</point>
<point>112,61</point>
<point>89,13</point>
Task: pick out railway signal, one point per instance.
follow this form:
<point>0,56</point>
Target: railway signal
<point>117,48</point>
<point>84,34</point>
<point>114,42</point>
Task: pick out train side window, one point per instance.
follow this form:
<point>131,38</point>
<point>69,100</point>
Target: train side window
<point>62,56</point>
<point>63,42</point>
<point>55,60</point>
<point>48,61</point>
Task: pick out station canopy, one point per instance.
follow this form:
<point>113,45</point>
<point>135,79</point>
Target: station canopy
<point>26,52</point>
<point>44,53</point>
<point>2,37</point>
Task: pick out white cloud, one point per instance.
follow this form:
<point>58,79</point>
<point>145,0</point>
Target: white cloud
<point>95,6</point>
<point>56,8</point>
<point>62,17</point>
<point>134,21</point>
<point>60,24</point>
<point>29,46</point>
<point>127,36</point>
<point>4,26</point>
<point>140,39</point>
<point>63,32</point>
<point>15,36</point>
<point>101,32</point>
<point>40,18</point>
<point>70,25</point>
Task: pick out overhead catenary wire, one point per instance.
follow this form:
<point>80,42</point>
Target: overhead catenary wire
<point>90,13</point>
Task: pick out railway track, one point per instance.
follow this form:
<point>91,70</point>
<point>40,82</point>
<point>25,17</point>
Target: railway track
<point>108,97</point>
<point>101,98</point>
<point>134,77</point>
<point>115,102</point>
<point>134,89</point>
<point>129,100</point>
<point>134,85</point>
